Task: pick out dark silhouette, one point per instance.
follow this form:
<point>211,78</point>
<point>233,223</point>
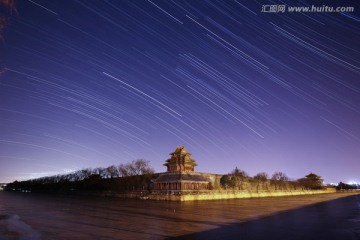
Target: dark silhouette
<point>132,176</point>
<point>311,181</point>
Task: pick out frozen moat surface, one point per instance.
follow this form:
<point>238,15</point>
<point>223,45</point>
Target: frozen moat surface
<point>323,216</point>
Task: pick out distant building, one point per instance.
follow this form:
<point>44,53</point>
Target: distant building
<point>180,175</point>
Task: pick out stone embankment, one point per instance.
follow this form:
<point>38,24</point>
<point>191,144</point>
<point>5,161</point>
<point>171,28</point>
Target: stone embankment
<point>216,195</point>
<point>209,195</point>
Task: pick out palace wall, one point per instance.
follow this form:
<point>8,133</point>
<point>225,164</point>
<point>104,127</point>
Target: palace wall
<point>214,179</point>
<point>233,194</point>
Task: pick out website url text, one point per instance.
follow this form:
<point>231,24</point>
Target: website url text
<point>303,9</point>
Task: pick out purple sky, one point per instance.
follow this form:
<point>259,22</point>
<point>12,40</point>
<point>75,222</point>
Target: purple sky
<point>97,83</point>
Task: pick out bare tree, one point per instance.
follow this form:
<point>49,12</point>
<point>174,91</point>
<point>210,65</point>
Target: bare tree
<point>135,168</point>
<point>142,167</point>
<point>123,171</point>
<point>102,172</point>
<point>238,177</point>
<point>226,182</point>
<point>260,179</point>
<point>112,171</point>
<point>86,173</point>
<point>279,180</point>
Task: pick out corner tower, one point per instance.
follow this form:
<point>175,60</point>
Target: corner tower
<point>180,176</point>
<point>180,161</point>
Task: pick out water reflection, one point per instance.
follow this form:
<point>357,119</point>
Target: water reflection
<point>69,217</point>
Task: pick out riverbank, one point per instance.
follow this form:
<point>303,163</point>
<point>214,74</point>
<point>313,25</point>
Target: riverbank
<point>218,195</point>
<point>184,196</point>
<point>204,195</point>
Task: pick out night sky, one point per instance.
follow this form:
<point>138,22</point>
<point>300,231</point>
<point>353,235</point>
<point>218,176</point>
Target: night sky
<point>96,83</point>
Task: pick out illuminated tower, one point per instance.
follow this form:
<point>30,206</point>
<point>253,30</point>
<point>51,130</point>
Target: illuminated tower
<point>180,161</point>
<point>180,175</point>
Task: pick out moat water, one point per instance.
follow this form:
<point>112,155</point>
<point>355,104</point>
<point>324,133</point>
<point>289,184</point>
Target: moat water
<point>323,216</point>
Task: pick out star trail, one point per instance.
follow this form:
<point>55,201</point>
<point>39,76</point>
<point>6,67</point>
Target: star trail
<point>100,83</point>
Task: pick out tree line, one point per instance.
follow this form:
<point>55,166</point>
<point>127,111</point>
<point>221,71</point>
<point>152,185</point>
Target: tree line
<point>135,175</point>
<point>240,180</point>
<point>346,186</point>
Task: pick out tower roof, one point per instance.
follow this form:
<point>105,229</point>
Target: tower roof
<point>180,160</point>
<point>180,150</point>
